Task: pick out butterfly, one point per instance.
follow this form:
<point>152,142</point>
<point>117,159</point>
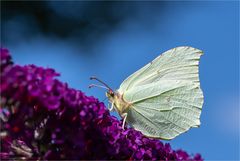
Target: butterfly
<point>162,99</point>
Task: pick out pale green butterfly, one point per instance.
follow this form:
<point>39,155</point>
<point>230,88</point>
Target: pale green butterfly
<point>163,99</point>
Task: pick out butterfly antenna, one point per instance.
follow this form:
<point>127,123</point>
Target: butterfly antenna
<point>96,85</point>
<point>106,86</point>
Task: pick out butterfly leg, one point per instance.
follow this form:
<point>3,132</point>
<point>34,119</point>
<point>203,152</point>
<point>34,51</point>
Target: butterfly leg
<point>124,115</point>
<point>111,108</point>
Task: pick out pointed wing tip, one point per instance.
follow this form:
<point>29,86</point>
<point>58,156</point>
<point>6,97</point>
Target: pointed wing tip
<point>190,47</point>
<point>201,52</point>
<point>197,125</point>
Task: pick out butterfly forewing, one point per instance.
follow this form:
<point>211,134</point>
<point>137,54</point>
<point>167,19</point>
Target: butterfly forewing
<point>165,95</point>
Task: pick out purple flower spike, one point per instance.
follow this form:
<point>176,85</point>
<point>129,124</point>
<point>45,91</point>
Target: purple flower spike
<point>43,119</point>
<point>5,58</point>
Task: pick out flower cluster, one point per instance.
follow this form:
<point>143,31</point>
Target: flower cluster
<point>42,118</point>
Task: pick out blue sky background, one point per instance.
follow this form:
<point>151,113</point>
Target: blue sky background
<point>148,29</point>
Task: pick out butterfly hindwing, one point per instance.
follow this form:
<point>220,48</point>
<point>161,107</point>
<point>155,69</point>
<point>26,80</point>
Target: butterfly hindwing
<point>168,113</point>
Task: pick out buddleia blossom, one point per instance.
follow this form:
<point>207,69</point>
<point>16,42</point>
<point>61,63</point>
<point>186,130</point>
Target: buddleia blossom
<point>42,118</point>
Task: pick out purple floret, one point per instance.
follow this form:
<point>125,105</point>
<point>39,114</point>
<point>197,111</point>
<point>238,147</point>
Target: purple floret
<point>42,118</point>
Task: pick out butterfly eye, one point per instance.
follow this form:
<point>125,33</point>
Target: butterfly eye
<point>111,93</point>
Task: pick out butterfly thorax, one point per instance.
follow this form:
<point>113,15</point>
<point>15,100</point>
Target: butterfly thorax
<point>120,105</point>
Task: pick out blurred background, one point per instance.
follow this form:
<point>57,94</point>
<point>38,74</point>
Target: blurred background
<point>111,40</point>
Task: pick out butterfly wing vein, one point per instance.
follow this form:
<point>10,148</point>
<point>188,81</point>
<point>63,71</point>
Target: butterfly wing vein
<point>165,94</point>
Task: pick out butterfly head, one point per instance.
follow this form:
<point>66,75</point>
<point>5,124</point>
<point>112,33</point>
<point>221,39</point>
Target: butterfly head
<point>110,93</point>
<point>114,97</point>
